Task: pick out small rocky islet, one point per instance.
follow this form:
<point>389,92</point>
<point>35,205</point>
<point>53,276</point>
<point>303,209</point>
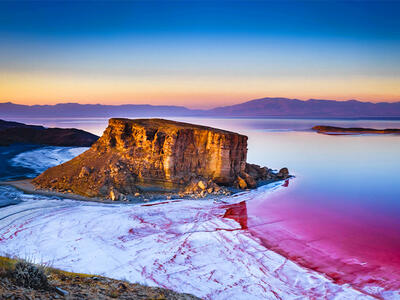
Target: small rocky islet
<point>137,158</point>
<point>334,130</point>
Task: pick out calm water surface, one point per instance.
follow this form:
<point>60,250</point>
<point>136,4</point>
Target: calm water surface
<point>340,215</point>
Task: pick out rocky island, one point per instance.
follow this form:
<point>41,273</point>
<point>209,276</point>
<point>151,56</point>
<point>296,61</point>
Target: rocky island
<point>341,130</point>
<point>14,132</point>
<point>158,156</point>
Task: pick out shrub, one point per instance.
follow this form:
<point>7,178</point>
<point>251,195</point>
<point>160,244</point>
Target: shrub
<point>29,275</point>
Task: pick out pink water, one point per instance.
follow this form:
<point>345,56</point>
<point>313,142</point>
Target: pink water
<point>348,247</point>
<point>340,215</point>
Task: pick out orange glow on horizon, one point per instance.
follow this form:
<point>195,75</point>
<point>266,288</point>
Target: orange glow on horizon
<point>203,93</point>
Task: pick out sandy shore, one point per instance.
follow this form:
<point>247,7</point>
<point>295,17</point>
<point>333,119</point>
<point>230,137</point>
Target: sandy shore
<point>26,186</point>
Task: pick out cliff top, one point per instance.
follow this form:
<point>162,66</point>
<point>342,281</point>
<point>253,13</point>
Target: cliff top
<point>157,123</point>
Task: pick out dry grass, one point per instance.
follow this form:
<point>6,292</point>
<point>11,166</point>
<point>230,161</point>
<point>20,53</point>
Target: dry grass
<point>20,278</point>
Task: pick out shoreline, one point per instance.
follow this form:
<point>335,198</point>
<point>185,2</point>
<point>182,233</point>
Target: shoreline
<point>26,186</point>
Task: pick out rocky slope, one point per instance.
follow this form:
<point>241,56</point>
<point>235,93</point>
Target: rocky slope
<point>13,132</point>
<point>136,156</point>
<point>36,282</point>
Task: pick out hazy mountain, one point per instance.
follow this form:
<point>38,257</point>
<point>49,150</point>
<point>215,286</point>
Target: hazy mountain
<point>265,107</point>
<point>91,110</point>
<point>283,107</point>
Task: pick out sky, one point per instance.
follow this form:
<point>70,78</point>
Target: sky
<point>198,54</point>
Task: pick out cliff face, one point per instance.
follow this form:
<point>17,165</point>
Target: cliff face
<point>154,154</point>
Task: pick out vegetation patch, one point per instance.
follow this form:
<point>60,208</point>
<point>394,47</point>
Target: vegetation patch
<point>21,279</point>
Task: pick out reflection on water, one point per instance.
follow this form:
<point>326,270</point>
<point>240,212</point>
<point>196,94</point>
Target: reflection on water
<point>237,212</point>
<point>340,215</point>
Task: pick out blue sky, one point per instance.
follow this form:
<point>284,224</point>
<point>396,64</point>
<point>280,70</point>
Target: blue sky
<point>198,53</point>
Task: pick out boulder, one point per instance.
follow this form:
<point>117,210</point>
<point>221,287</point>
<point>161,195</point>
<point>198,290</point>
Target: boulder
<point>257,172</point>
<point>283,173</point>
<point>202,185</point>
<point>250,181</point>
<point>241,183</point>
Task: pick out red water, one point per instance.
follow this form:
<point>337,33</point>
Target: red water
<point>348,247</point>
<point>237,212</point>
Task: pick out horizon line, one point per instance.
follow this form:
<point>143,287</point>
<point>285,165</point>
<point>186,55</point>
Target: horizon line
<point>205,109</point>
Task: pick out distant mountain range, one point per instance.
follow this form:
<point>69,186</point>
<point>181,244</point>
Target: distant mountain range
<point>265,107</point>
<point>313,108</point>
<point>91,110</point>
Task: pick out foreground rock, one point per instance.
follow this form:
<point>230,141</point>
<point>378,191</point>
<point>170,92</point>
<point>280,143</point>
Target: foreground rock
<point>154,155</point>
<point>16,283</point>
<point>13,132</point>
<point>342,130</point>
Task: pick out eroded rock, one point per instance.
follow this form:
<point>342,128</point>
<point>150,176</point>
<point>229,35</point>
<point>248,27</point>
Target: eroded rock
<point>241,183</point>
<point>84,172</point>
<point>201,185</point>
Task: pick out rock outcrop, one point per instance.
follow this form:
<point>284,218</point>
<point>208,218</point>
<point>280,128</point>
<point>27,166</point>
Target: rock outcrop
<point>155,155</point>
<point>14,132</point>
<point>354,130</point>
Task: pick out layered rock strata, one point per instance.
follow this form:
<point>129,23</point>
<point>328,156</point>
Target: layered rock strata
<point>156,155</point>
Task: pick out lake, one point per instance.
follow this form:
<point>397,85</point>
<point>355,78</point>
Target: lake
<point>339,215</point>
